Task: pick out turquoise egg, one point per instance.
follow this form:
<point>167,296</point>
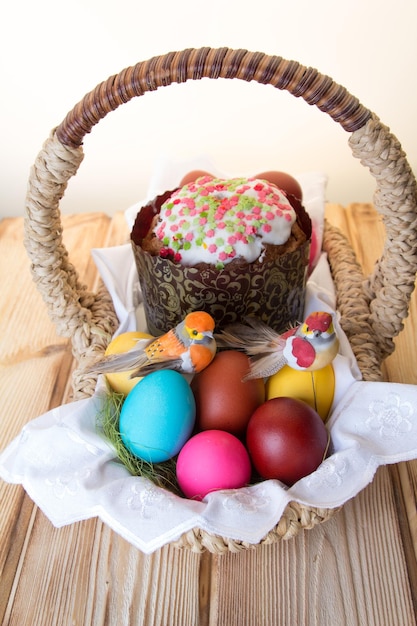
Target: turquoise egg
<point>158,416</point>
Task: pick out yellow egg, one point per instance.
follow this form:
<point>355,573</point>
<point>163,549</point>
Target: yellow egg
<point>314,388</point>
<point>120,382</point>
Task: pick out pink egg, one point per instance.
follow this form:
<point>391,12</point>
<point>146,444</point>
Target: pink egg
<point>212,460</point>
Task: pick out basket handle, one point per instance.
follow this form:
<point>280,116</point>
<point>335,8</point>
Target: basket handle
<point>76,311</point>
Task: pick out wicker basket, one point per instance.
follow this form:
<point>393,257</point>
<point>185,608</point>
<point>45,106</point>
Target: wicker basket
<point>372,308</point>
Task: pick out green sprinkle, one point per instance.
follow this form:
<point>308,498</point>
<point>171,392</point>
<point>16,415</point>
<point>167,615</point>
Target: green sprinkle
<point>219,241</point>
<point>187,245</point>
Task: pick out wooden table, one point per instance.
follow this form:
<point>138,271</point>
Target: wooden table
<point>358,568</point>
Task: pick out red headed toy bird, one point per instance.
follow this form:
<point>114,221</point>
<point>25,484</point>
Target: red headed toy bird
<point>188,348</point>
<point>307,347</point>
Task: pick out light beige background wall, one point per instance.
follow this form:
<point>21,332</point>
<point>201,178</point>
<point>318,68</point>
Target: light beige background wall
<point>52,53</point>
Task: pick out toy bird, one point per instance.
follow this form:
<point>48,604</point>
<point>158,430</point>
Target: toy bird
<point>307,347</point>
<point>188,348</point>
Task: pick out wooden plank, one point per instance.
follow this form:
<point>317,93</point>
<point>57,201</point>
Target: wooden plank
<point>351,570</point>
<point>362,225</point>
<point>34,368</point>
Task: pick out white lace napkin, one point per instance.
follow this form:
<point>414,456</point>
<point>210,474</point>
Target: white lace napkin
<point>71,472</point>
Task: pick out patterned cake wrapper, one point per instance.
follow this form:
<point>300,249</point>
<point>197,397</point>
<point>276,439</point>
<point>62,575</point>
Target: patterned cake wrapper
<point>272,290</point>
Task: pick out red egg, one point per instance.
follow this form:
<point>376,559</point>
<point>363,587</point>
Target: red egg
<point>288,184</point>
<point>190,177</point>
<point>223,400</point>
<point>286,439</point>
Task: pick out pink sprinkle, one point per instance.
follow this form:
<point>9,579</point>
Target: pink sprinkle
<point>168,212</point>
<point>232,240</point>
<point>288,217</point>
<point>177,257</point>
<point>204,192</point>
<point>267,228</point>
<point>222,256</point>
<point>212,247</point>
<point>221,225</point>
<point>202,221</point>
<point>257,210</point>
<point>174,228</point>
<point>239,236</point>
<point>189,236</point>
<point>258,187</point>
<point>240,215</point>
<point>177,201</point>
<point>269,215</point>
<point>250,230</point>
<point>189,202</point>
<point>193,212</point>
<point>210,233</point>
<point>232,254</point>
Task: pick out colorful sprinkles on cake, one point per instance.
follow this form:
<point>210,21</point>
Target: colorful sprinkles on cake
<point>214,221</point>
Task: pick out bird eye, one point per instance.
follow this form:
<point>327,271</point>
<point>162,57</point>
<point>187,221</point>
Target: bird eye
<point>195,333</point>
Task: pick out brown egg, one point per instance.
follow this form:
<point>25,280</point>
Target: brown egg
<point>287,183</point>
<point>192,176</point>
<point>223,401</point>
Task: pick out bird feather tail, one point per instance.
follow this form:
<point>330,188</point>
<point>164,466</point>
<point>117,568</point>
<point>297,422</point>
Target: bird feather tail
<point>254,338</point>
<point>134,358</point>
<point>265,366</point>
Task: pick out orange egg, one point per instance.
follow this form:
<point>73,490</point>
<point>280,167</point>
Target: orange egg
<point>283,181</point>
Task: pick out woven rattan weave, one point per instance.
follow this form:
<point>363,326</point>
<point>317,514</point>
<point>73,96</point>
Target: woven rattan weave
<point>372,308</point>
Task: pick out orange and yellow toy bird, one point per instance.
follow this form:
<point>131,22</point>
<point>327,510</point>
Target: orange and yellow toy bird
<point>188,348</point>
<point>307,347</point>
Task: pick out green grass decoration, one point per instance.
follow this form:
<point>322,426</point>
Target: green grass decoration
<point>161,474</point>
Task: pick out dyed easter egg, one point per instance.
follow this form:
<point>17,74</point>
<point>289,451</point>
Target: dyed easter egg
<point>120,382</point>
<point>157,416</point>
<point>315,388</point>
<point>212,460</point>
<point>223,400</point>
<point>286,440</point>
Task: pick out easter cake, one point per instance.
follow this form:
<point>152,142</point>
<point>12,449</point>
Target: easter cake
<point>233,247</point>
